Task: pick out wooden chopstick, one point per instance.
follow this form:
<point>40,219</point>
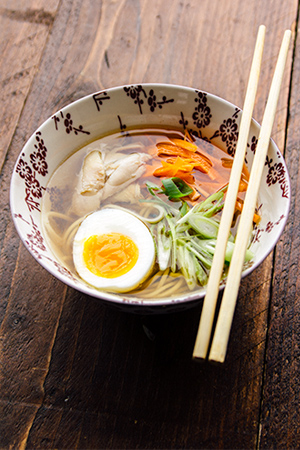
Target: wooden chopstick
<point>210,300</point>
<point>223,326</point>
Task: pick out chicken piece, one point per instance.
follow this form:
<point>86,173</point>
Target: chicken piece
<point>99,180</point>
<point>130,194</point>
<point>92,174</point>
<point>88,192</point>
<point>110,158</point>
<point>85,204</point>
<point>124,172</point>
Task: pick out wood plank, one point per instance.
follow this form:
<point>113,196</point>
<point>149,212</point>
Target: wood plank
<point>16,419</point>
<point>30,7</point>
<point>22,39</point>
<point>96,363</point>
<point>23,35</point>
<point>27,333</point>
<point>280,414</point>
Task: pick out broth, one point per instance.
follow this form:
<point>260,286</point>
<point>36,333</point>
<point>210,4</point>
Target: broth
<point>64,208</point>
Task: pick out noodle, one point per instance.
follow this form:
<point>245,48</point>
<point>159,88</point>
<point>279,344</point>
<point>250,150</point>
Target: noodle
<point>58,215</point>
<point>141,215</point>
<point>61,222</point>
<point>70,232</point>
<point>55,215</point>
<point>169,288</point>
<point>161,283</point>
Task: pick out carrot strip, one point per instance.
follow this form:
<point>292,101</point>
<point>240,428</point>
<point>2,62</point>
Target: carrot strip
<point>188,136</point>
<point>246,172</point>
<point>187,177</point>
<point>239,206</point>
<point>185,144</point>
<point>182,156</point>
<point>243,186</point>
<point>171,168</point>
<point>203,163</point>
<point>227,163</point>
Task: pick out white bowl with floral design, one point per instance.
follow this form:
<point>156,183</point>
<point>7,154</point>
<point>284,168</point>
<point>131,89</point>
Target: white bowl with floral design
<point>121,108</point>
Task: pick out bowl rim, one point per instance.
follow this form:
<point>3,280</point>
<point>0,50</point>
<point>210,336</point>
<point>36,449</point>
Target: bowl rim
<point>119,298</point>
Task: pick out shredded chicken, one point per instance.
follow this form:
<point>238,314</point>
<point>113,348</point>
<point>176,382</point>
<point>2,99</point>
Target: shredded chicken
<point>103,175</point>
<point>92,176</point>
<point>128,195</point>
<point>124,172</point>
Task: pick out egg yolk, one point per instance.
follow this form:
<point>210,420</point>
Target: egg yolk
<point>110,255</point>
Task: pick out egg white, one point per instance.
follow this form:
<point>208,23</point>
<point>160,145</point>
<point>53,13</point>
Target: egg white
<point>110,220</point>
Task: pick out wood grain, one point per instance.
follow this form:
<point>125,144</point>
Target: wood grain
<point>23,37</point>
<point>280,415</point>
<point>75,373</point>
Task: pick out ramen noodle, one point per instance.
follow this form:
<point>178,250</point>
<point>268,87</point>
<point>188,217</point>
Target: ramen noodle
<point>139,213</point>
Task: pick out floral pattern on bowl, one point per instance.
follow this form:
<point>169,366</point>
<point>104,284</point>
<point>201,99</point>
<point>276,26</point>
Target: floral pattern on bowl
<point>120,109</point>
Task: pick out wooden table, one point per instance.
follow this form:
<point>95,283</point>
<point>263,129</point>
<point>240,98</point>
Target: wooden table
<point>77,374</point>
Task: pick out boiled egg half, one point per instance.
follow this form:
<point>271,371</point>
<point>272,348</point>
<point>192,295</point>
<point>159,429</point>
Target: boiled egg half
<point>113,250</point>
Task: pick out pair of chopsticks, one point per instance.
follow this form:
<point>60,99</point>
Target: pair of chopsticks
<point>224,321</point>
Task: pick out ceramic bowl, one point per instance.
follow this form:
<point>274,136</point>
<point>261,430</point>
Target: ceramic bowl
<point>121,108</point>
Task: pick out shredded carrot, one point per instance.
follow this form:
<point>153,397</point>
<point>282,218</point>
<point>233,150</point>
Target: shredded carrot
<point>203,163</point>
<point>239,207</point>
<point>188,136</point>
<point>171,167</point>
<point>185,144</point>
<point>187,177</point>
<point>246,172</point>
<point>243,186</point>
<point>180,157</point>
<point>194,196</point>
<point>226,162</point>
